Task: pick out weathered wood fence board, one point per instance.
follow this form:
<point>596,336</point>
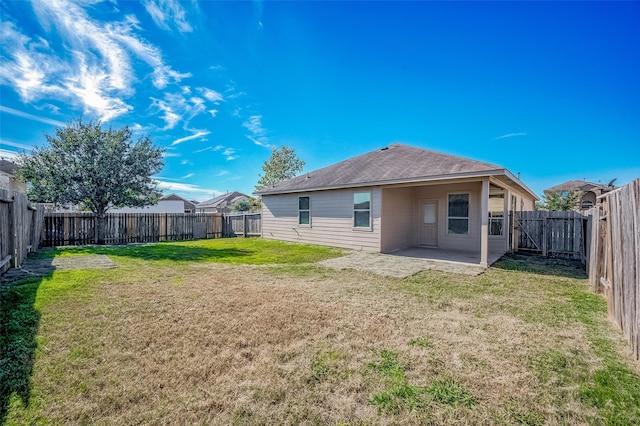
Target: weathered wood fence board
<point>20,228</point>
<point>614,264</point>
<point>551,233</point>
<point>245,224</point>
<point>62,229</point>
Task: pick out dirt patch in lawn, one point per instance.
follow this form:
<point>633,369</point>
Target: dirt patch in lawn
<point>39,267</point>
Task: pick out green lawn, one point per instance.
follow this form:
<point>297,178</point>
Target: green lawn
<point>248,251</point>
<point>248,331</point>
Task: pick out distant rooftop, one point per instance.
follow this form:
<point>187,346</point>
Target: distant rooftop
<point>222,200</point>
<point>579,185</point>
<point>8,167</point>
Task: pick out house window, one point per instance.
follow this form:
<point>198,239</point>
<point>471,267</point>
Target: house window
<point>458,214</point>
<point>496,214</point>
<point>304,213</point>
<point>362,210</point>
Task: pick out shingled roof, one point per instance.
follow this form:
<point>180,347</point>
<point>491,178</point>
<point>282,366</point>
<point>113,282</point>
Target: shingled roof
<point>577,185</point>
<point>396,163</point>
<point>8,167</point>
<point>222,201</point>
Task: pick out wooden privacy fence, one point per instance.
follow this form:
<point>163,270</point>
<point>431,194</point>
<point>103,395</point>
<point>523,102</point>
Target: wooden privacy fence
<point>614,265</point>
<point>245,224</point>
<point>20,228</point>
<point>552,233</point>
<point>62,229</point>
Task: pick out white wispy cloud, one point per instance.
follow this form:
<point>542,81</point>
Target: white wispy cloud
<point>213,112</point>
<point>254,125</point>
<point>258,133</point>
<point>196,135</point>
<point>26,63</point>
<point>16,144</point>
<point>189,191</point>
<point>176,107</point>
<point>90,86</point>
<point>187,176</point>
<point>139,129</point>
<point>92,65</point>
<point>28,116</point>
<point>8,155</point>
<point>232,92</point>
<point>165,12</point>
<point>221,173</point>
<point>209,148</point>
<point>260,141</point>
<point>230,153</point>
<point>171,154</point>
<point>509,135</point>
<point>53,108</point>
<point>211,95</point>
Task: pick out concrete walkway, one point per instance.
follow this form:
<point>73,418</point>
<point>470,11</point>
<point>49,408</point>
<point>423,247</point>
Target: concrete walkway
<point>400,265</point>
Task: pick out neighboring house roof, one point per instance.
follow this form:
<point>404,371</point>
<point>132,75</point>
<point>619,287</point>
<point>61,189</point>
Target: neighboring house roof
<point>187,204</point>
<point>579,185</point>
<point>9,167</point>
<point>396,163</point>
<point>222,201</point>
<point>8,178</point>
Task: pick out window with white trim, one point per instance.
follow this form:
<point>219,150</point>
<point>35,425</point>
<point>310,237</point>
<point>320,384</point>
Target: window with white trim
<point>458,214</point>
<point>304,211</point>
<point>496,214</point>
<point>362,209</point>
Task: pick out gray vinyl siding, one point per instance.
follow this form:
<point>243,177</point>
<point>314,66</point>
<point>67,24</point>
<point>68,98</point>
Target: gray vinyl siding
<point>396,218</point>
<point>331,215</point>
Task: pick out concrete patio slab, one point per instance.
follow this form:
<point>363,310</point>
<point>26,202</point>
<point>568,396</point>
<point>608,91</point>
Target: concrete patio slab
<point>401,264</point>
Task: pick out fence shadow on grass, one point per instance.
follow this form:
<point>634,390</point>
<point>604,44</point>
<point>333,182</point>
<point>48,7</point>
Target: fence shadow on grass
<point>541,265</point>
<point>161,251</point>
<point>19,322</point>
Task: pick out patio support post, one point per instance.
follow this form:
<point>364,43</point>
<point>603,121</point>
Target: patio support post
<point>508,224</point>
<point>484,228</point>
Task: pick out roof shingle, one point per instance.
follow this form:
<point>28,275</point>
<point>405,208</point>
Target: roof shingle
<point>393,163</point>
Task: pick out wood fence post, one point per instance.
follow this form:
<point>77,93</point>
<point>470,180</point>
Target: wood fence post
<point>545,240</point>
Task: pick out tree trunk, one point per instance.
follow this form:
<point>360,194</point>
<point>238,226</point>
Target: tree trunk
<point>100,221</point>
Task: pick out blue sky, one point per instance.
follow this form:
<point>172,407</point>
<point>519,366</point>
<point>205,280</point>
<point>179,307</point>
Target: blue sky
<point>550,90</point>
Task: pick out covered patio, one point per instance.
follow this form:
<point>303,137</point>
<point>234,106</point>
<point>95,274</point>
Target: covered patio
<point>407,262</point>
<point>446,255</point>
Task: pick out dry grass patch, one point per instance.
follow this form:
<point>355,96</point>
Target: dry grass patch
<point>205,343</point>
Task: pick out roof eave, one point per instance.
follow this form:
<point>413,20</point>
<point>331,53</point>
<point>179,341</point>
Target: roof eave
<point>521,184</point>
<point>485,173</point>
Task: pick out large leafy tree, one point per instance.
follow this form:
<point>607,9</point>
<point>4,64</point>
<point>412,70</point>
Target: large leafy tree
<point>282,165</point>
<point>247,205</point>
<point>559,201</point>
<point>100,169</point>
